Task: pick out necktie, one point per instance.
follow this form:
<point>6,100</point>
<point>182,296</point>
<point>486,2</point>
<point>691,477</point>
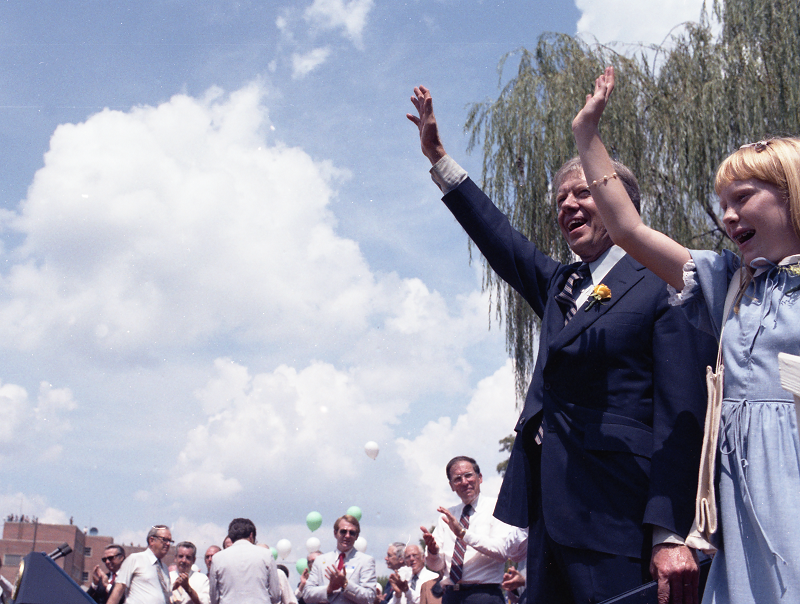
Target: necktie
<point>457,564</point>
<point>566,295</point>
<point>340,566</point>
<point>413,583</point>
<point>163,580</point>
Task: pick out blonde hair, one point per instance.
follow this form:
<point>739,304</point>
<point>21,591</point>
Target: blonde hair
<point>775,161</point>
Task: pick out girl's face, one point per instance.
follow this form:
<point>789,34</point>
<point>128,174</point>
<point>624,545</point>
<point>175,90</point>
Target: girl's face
<point>756,217</point>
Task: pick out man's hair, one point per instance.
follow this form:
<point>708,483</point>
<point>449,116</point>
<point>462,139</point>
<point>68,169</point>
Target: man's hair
<point>284,569</point>
<point>241,528</point>
<point>398,548</point>
<point>775,161</point>
<point>455,460</point>
<point>571,166</point>
<point>347,518</point>
<point>119,548</point>
<point>187,545</point>
<point>153,532</point>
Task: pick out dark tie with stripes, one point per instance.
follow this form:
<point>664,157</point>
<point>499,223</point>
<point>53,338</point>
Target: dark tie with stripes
<point>566,296</point>
<point>457,564</point>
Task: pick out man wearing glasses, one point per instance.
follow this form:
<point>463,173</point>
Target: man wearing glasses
<point>343,576</point>
<point>469,544</point>
<point>143,578</point>
<point>103,583</point>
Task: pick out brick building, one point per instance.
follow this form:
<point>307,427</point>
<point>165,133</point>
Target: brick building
<point>21,538</point>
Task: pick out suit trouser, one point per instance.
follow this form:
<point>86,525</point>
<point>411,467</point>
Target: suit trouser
<point>477,594</point>
<point>558,574</point>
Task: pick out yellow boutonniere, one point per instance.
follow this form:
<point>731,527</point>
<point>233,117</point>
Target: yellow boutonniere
<point>598,295</point>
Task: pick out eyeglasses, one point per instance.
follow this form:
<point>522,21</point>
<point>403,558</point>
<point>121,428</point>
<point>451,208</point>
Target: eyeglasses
<point>466,476</point>
<point>352,533</point>
<point>108,559</point>
<point>164,539</point>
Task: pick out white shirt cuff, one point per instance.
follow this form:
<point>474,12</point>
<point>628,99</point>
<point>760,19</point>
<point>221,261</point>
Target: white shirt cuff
<point>662,535</point>
<point>447,174</point>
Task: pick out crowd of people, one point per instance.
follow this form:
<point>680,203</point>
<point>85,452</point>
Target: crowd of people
<point>464,558</point>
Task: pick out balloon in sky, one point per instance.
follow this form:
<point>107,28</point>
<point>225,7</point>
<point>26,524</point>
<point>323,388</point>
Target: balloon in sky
<point>301,565</point>
<point>372,449</point>
<point>361,544</point>
<point>314,520</point>
<point>284,547</point>
<point>274,552</point>
<point>355,512</point>
<point>312,545</point>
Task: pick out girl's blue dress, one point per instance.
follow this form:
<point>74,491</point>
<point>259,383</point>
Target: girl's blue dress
<point>759,449</point>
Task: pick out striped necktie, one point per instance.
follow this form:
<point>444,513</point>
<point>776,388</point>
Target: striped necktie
<point>164,584</point>
<point>457,564</point>
<point>566,296</point>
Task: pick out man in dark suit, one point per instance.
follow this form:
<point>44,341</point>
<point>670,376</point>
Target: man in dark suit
<point>604,466</point>
<point>102,583</point>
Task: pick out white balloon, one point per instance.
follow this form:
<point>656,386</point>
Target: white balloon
<point>312,545</point>
<point>372,449</point>
<point>361,544</point>
<point>284,547</point>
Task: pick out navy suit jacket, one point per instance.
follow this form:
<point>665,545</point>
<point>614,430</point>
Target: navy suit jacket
<point>620,391</point>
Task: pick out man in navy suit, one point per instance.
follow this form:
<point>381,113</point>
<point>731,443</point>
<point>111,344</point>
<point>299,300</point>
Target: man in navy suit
<point>604,466</point>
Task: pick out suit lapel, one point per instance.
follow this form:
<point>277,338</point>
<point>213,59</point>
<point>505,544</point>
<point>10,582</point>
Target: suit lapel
<point>620,279</point>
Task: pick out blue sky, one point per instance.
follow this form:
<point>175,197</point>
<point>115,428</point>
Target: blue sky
<point>224,267</point>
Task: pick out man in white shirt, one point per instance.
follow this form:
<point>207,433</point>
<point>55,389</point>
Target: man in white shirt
<point>143,578</point>
<point>188,585</point>
<point>407,591</point>
<point>469,544</point>
<point>212,549</point>
<point>244,573</point>
<point>343,576</point>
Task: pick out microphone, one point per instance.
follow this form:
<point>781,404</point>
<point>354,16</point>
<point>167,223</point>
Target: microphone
<point>61,551</point>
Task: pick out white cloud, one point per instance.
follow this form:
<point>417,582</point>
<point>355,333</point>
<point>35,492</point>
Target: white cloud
<point>303,64</point>
<point>633,21</point>
<point>176,224</point>
<point>31,431</point>
<point>334,14</point>
<point>489,416</point>
<point>32,506</point>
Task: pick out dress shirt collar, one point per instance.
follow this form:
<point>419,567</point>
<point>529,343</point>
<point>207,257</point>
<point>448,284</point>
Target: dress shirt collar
<point>605,262</point>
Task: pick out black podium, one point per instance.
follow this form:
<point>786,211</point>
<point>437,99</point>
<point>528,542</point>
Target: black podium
<point>42,581</point>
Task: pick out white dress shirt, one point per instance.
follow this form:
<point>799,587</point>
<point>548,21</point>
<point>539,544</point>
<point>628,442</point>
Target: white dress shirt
<point>489,544</point>
<point>411,596</point>
<point>197,581</point>
<point>139,575</point>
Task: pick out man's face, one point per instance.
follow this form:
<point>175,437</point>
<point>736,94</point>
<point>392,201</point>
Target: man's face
<point>310,559</point>
<point>413,558</point>
<point>209,554</point>
<point>346,536</point>
<point>184,560</point>
<point>112,558</point>
<point>159,544</point>
<point>393,561</point>
<point>579,220</point>
<point>465,482</point>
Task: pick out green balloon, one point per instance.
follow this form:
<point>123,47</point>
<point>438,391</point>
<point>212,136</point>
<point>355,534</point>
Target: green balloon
<point>314,521</point>
<point>355,512</point>
<point>302,565</point>
<point>274,552</point>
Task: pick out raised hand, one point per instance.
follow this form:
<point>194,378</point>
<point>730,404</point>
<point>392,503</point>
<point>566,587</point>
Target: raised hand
<point>429,140</point>
<point>589,116</point>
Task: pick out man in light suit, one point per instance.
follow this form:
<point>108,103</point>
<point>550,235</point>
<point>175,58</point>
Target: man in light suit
<point>604,466</point>
<point>345,575</point>
<point>244,573</point>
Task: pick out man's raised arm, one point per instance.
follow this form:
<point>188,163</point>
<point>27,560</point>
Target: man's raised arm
<point>429,140</point>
